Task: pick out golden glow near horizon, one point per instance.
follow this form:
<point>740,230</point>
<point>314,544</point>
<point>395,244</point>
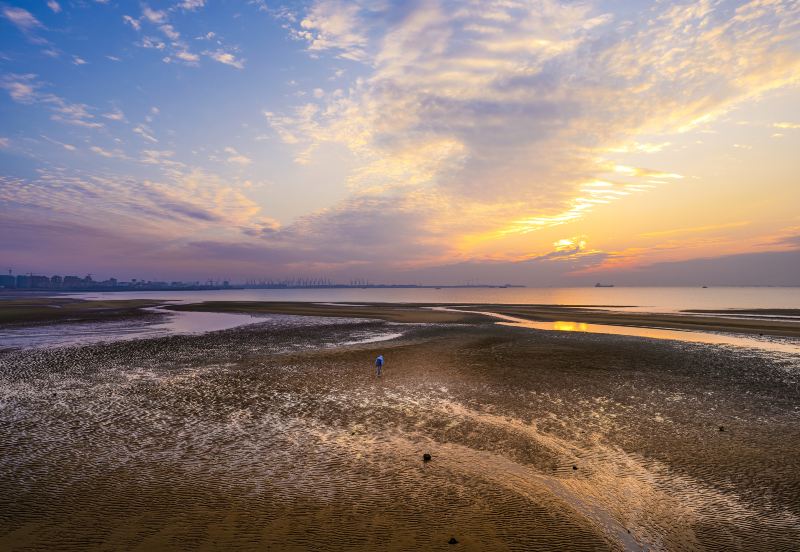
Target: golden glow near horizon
<point>579,138</point>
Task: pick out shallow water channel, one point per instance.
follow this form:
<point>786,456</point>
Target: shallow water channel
<point>163,323</point>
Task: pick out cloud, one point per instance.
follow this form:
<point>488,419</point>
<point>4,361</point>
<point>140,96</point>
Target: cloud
<point>170,32</point>
<point>173,46</point>
<point>335,25</point>
<point>226,58</point>
<point>115,114</point>
<point>26,89</point>
<point>68,147</point>
<point>513,108</point>
<point>146,133</point>
<point>191,5</point>
<point>237,158</point>
<point>116,154</point>
<point>779,268</point>
<point>4,142</point>
<point>153,16</point>
<point>468,132</point>
<point>132,22</point>
<point>53,5</point>
<point>22,18</point>
<point>187,56</point>
<point>184,203</point>
<point>21,88</point>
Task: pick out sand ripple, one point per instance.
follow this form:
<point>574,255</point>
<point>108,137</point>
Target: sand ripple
<point>255,439</point>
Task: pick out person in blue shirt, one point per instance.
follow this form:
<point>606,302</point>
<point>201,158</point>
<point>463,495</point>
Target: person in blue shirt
<point>378,365</point>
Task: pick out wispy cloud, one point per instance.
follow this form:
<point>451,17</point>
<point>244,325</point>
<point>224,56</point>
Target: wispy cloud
<point>115,114</point>
<point>335,25</point>
<point>132,22</point>
<point>116,153</point>
<point>153,16</point>
<point>191,5</point>
<point>145,132</point>
<point>27,89</point>
<point>226,58</point>
<point>696,229</point>
<point>22,18</point>
<point>176,49</point>
<point>237,158</point>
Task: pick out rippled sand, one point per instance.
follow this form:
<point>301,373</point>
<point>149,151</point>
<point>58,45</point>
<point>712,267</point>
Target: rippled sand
<point>265,437</point>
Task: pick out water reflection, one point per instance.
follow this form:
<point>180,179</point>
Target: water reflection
<point>570,326</point>
<point>85,333</point>
<point>628,299</point>
<point>770,343</point>
<point>166,322</point>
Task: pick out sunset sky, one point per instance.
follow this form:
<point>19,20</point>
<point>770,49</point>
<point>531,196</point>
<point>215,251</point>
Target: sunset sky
<point>533,142</point>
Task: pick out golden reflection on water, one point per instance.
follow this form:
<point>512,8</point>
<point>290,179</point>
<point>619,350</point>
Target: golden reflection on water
<point>570,326</point>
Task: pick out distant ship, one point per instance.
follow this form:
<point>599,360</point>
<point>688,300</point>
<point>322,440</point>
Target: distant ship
<point>598,284</point>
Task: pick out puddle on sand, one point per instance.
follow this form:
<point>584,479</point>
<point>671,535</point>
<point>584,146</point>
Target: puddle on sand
<point>174,323</point>
<point>192,322</point>
<point>371,337</point>
<point>85,333</point>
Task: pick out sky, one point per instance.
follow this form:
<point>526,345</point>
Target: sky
<point>536,142</point>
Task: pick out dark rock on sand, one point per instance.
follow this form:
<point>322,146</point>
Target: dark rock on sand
<point>426,457</point>
<point>452,541</point>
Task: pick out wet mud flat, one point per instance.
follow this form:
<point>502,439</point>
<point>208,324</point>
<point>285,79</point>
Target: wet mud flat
<point>279,438</point>
<point>26,309</point>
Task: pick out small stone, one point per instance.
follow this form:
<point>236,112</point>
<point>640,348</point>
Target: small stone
<point>426,457</point>
<point>452,541</point>
<point>722,428</point>
<point>574,467</point>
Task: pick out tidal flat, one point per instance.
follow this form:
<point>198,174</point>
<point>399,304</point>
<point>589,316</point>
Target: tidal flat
<point>264,437</point>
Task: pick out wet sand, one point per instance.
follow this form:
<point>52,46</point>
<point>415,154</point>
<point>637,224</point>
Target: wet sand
<point>546,313</point>
<point>281,439</point>
<point>390,312</point>
<point>34,309</point>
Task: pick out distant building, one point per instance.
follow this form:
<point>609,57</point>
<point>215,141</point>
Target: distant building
<point>56,282</point>
<point>23,281</point>
<point>7,281</point>
<point>72,282</point>
<point>39,282</point>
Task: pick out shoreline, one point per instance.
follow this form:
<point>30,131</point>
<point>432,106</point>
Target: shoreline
<point>33,311</point>
<point>51,310</point>
<point>420,312</point>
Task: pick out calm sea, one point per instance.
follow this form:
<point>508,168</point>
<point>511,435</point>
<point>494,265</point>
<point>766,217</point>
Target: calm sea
<point>645,299</point>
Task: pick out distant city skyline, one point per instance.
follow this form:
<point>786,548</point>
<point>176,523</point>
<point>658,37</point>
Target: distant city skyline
<point>535,142</point>
<point>39,282</point>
